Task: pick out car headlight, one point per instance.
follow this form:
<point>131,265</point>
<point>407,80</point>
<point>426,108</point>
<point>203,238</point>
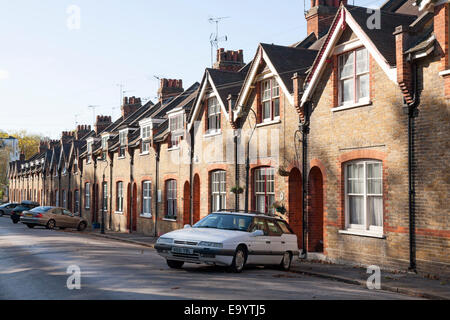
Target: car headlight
<point>210,244</point>
<point>165,240</point>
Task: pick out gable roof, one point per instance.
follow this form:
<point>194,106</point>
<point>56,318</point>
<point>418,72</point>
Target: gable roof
<point>223,83</point>
<point>379,42</point>
<point>283,62</point>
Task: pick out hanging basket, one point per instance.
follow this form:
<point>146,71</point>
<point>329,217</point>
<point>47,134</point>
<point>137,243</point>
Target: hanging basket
<point>237,190</point>
<point>283,172</point>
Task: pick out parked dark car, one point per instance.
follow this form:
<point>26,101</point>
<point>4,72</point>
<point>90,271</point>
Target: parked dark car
<point>23,206</point>
<point>7,208</point>
<point>51,217</point>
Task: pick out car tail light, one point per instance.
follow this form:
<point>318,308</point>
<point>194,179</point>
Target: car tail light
<point>39,215</point>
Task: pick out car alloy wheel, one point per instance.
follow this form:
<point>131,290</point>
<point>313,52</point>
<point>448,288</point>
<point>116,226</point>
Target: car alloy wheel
<point>82,226</point>
<point>239,260</point>
<point>51,224</point>
<point>286,262</point>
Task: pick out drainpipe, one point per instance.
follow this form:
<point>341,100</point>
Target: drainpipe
<point>191,178</point>
<point>111,158</point>
<point>131,189</point>
<point>236,172</point>
<point>304,128</point>
<point>158,149</point>
<point>94,193</point>
<point>413,112</point>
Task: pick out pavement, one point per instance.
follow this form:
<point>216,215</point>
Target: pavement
<point>413,285</point>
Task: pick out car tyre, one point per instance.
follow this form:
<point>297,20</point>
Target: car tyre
<point>15,221</point>
<point>51,224</point>
<point>82,226</point>
<point>286,261</point>
<point>1,213</point>
<point>31,226</point>
<point>239,260</point>
<point>175,264</point>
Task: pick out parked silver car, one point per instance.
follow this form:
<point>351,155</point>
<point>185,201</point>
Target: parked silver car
<point>52,217</point>
<point>7,208</point>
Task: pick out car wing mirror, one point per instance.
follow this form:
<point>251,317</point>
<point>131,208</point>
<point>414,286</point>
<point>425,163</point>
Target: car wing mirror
<point>187,226</point>
<point>257,233</point>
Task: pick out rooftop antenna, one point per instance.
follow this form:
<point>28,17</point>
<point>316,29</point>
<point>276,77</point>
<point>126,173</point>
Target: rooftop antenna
<point>93,111</point>
<point>214,38</point>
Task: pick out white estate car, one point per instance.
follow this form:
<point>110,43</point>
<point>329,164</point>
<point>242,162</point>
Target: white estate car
<point>231,239</point>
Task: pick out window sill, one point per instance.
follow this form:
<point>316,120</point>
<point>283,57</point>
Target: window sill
<point>120,158</point>
<point>445,73</point>
<point>268,123</point>
<point>146,216</point>
<point>119,212</point>
<point>144,153</point>
<point>170,220</point>
<point>173,149</point>
<point>212,134</point>
<point>352,106</point>
<point>363,233</point>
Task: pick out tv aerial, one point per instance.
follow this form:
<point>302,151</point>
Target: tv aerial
<point>214,38</point>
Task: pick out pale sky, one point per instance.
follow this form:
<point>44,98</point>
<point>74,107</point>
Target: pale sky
<point>50,73</point>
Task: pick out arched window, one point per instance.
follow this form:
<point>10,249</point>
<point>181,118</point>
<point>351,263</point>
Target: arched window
<point>218,190</point>
<point>364,195</point>
<point>146,198</point>
<point>119,197</point>
<point>264,189</point>
<point>171,199</point>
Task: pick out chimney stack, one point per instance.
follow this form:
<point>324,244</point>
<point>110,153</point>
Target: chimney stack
<point>169,88</point>
<point>43,146</point>
<point>67,136</point>
<point>320,16</point>
<point>102,123</point>
<point>229,60</point>
<point>81,131</point>
<point>130,105</point>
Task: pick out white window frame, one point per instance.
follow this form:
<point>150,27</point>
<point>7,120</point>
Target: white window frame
<point>119,196</point>
<point>105,196</point>
<point>213,115</point>
<point>354,76</point>
<point>171,197</point>
<point>365,227</point>
<point>57,198</point>
<point>64,199</point>
<point>265,173</point>
<point>89,150</point>
<point>218,190</point>
<point>122,142</point>
<point>87,195</point>
<point>76,209</point>
<point>272,88</point>
<point>176,127</point>
<point>147,197</point>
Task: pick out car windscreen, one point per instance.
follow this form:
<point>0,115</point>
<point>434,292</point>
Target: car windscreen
<point>20,208</point>
<point>41,209</point>
<point>225,222</point>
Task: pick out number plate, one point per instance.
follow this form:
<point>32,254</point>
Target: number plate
<point>182,250</point>
<point>29,214</point>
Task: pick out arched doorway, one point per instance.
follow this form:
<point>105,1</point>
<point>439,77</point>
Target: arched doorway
<point>196,199</point>
<point>315,215</point>
<point>186,203</point>
<point>295,204</point>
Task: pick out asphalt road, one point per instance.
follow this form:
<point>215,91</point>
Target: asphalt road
<point>34,262</point>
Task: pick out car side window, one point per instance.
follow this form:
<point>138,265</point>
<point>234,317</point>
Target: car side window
<point>284,227</point>
<point>260,224</point>
<point>67,212</point>
<point>274,230</point>
<point>57,211</point>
